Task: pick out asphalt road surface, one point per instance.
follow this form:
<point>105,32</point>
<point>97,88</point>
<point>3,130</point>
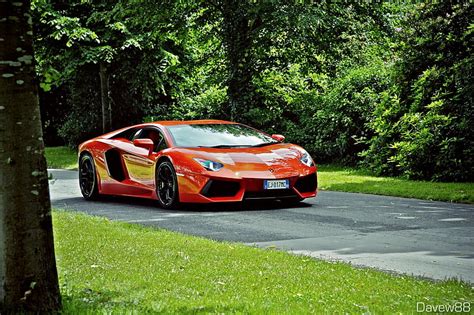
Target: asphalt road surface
<point>418,237</point>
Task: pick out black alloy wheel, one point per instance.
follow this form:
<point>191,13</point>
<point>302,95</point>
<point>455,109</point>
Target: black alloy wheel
<point>87,177</point>
<point>167,185</point>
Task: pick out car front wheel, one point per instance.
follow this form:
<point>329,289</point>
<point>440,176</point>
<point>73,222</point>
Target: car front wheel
<point>167,185</point>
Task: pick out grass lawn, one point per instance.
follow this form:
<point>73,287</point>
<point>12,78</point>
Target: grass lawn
<point>61,157</point>
<point>107,266</point>
<point>348,179</point>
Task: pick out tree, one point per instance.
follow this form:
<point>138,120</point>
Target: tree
<point>28,273</point>
<point>423,130</point>
<point>98,42</point>
<point>110,59</point>
<point>262,37</point>
<point>237,25</point>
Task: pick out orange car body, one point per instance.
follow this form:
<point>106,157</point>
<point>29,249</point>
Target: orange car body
<point>126,169</point>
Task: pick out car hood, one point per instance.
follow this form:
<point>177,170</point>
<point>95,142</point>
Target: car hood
<point>272,161</point>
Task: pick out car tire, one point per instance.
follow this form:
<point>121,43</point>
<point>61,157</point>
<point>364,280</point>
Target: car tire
<point>167,190</point>
<point>88,177</point>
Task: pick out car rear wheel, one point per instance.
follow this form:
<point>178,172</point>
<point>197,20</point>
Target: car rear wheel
<point>88,177</point>
<point>167,185</point>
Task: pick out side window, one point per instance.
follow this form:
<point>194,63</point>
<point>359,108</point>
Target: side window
<point>136,135</point>
<point>158,140</point>
<point>162,144</point>
<point>127,134</point>
<point>155,136</point>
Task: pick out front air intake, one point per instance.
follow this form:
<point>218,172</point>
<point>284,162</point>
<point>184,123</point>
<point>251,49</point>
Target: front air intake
<point>307,183</point>
<point>220,188</point>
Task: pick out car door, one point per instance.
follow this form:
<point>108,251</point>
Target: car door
<point>139,162</point>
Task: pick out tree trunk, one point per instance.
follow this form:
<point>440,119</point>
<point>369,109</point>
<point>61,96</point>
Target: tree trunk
<point>105,98</point>
<point>28,276</point>
<point>238,43</point>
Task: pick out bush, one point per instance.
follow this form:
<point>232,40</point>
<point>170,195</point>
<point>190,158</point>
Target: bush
<point>327,118</point>
<point>423,127</point>
<point>208,104</point>
<point>84,120</point>
<point>339,122</point>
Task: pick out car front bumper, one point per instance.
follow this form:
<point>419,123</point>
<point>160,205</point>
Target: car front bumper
<point>199,188</point>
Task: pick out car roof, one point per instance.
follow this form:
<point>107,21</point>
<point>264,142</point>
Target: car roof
<point>190,122</point>
<point>165,123</point>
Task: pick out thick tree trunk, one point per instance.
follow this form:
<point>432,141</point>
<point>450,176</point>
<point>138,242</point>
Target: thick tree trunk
<point>237,41</point>
<point>28,276</point>
<point>105,98</point>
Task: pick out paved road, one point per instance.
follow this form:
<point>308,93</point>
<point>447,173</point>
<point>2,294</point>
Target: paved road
<point>424,238</point>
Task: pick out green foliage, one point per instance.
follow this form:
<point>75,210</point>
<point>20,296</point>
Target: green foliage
<point>328,117</point>
<point>82,121</point>
<point>388,85</point>
<point>208,104</point>
<point>285,95</point>
<point>339,120</point>
<point>423,126</point>
<point>74,38</point>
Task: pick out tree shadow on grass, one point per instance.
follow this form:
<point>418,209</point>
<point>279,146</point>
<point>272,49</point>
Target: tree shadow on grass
<point>88,301</point>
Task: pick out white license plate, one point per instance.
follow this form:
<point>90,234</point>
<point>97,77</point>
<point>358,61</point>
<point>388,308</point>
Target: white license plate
<point>276,184</point>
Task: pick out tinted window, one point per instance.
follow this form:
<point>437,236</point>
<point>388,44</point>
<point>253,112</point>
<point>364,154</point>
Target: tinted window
<point>217,135</point>
<point>127,134</point>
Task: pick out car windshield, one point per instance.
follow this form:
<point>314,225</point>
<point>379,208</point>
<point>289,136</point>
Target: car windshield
<point>218,136</point>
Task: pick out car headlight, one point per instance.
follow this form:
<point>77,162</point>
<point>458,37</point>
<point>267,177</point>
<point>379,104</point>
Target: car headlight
<point>210,165</point>
<point>306,159</point>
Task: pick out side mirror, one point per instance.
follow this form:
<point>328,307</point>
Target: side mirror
<point>144,143</point>
<point>279,138</point>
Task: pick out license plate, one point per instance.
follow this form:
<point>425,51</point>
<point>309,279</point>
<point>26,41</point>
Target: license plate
<point>276,184</point>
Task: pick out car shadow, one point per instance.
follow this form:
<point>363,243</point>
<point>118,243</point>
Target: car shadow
<point>253,205</point>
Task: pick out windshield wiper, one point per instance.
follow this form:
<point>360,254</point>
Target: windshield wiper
<point>263,144</point>
<point>222,146</point>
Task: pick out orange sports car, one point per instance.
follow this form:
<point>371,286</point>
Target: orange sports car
<point>198,161</point>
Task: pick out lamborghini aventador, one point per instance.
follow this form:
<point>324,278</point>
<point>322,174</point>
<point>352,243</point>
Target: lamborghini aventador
<point>199,161</point>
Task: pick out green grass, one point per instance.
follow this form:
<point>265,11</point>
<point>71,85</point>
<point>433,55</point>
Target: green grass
<point>348,179</point>
<point>116,267</point>
<point>61,157</point>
